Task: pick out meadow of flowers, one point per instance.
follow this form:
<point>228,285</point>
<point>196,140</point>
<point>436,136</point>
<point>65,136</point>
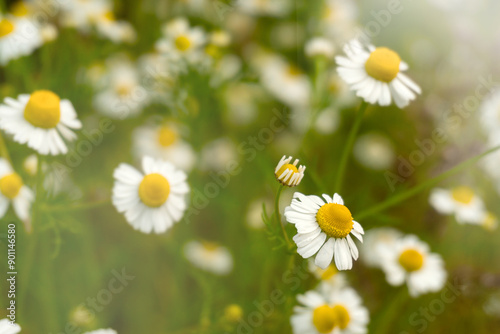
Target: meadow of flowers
<point>249,166</point>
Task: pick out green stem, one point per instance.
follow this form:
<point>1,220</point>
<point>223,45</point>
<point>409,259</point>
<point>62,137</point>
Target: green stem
<point>76,207</point>
<point>386,319</point>
<point>348,147</point>
<point>278,216</point>
<point>432,182</point>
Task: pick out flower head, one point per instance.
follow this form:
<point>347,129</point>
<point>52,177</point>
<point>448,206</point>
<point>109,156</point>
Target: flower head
<point>324,226</point>
<point>209,256</point>
<point>461,201</point>
<point>289,174</point>
<point>376,74</point>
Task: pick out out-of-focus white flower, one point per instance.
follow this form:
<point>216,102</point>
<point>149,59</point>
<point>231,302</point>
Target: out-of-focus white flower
<point>329,276</point>
<point>339,19</point>
<point>13,191</point>
<point>374,243</point>
<point>82,14</point>
<point>462,202</point>
<point>6,327</point>
<point>102,331</point>
<point>219,154</point>
<point>117,31</point>
<point>375,151</point>
<point>18,37</point>
<point>327,121</point>
<point>209,256</point>
<point>30,164</point>
<point>255,210</point>
<point>489,115</point>
<point>264,7</point>
<point>320,47</point>
<point>163,142</point>
<point>241,102</point>
<point>409,260</point>
<point>490,222</point>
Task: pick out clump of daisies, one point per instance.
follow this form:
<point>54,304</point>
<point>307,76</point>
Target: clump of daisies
<point>327,310</point>
<point>209,256</point>
<point>151,200</point>
<point>324,227</point>
<point>376,74</point>
<point>40,120</point>
<point>462,202</point>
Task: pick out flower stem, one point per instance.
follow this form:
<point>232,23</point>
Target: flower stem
<point>277,213</point>
<point>348,147</point>
<point>432,182</point>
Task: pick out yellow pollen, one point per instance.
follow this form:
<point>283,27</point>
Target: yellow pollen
<point>182,43</point>
<point>10,185</point>
<point>324,319</point>
<point>43,109</point>
<point>110,16</point>
<point>342,317</point>
<point>335,220</point>
<point>166,136</point>
<point>154,190</point>
<point>19,9</point>
<point>6,27</point>
<point>294,71</point>
<point>328,273</point>
<point>463,195</point>
<point>284,168</point>
<point>383,64</point>
<point>411,260</point>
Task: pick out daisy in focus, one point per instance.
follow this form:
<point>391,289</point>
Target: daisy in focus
<point>330,311</point>
<point>409,260</point>
<point>209,256</point>
<point>164,142</point>
<point>324,226</point>
<point>40,120</point>
<point>288,174</point>
<point>6,327</point>
<point>13,190</point>
<point>152,200</point>
<point>376,74</point>
<point>14,39</point>
<point>462,202</point>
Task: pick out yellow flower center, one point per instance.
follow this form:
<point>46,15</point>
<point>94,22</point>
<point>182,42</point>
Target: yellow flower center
<point>213,51</point>
<point>110,16</point>
<point>490,222</point>
<point>324,318</point>
<point>383,64</point>
<point>123,90</point>
<point>19,9</point>
<point>6,27</point>
<point>209,246</point>
<point>182,43</point>
<point>342,317</point>
<point>411,260</point>
<point>294,71</point>
<point>328,273</point>
<point>284,168</point>
<point>233,313</point>
<point>335,220</point>
<point>10,185</point>
<point>154,190</point>
<point>166,136</point>
<point>43,109</point>
<point>463,195</point>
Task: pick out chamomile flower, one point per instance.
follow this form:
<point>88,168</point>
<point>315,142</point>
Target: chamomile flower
<point>41,120</point>
<point>319,47</point>
<point>164,142</point>
<point>117,31</point>
<point>152,200</point>
<point>375,151</point>
<point>264,7</point>
<point>330,276</point>
<point>410,260</point>
<point>288,174</point>
<point>6,327</point>
<point>13,190</point>
<point>375,241</point>
<point>82,14</point>
<point>324,226</point>
<point>209,256</point>
<point>461,201</point>
<point>181,41</point>
<point>18,37</point>
<point>102,331</point>
<point>339,19</point>
<point>333,311</point>
<point>376,74</point>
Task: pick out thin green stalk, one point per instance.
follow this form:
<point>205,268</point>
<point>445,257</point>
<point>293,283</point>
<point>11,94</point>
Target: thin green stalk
<point>348,147</point>
<point>278,216</point>
<point>430,183</point>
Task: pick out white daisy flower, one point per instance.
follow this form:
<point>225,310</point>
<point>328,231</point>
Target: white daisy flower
<point>319,47</point>
<point>324,226</point>
<point>327,121</point>
<point>462,202</point>
<point>332,311</point>
<point>102,331</point>
<point>330,276</point>
<point>13,190</point>
<point>376,74</point>
<point>410,260</point>
<point>82,14</point>
<point>218,155</point>
<point>163,142</point>
<point>209,256</point>
<point>121,94</point>
<point>264,7</point>
<point>375,151</point>
<point>117,31</point>
<point>339,19</point>
<point>181,41</point>
<point>154,200</point>
<point>288,174</point>
<point>375,241</point>
<point>489,115</point>
<point>6,327</point>
<point>41,120</point>
<point>18,37</point>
